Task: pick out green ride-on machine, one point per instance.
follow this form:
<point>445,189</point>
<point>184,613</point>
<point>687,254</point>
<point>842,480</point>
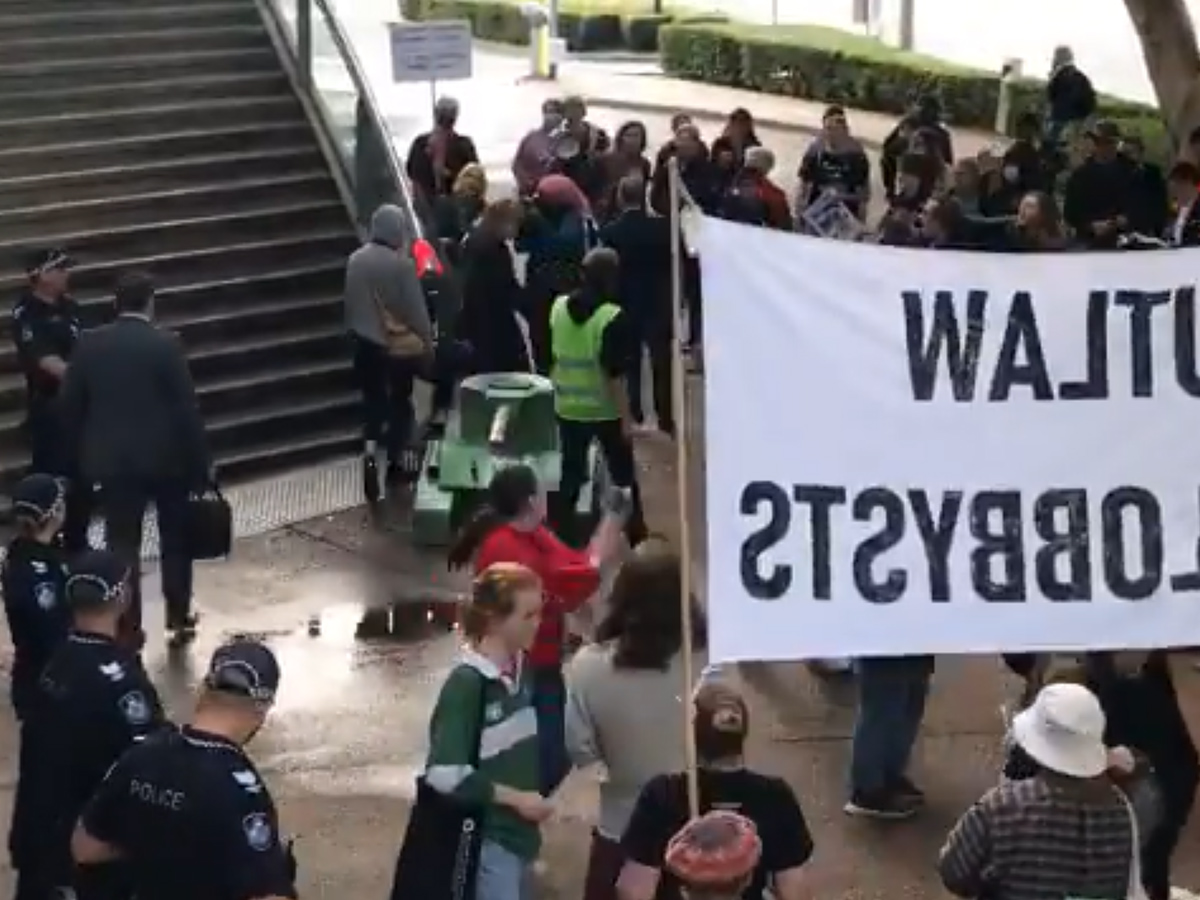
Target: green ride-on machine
<point>498,420</point>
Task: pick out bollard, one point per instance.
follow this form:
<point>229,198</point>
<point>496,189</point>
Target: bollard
<point>537,17</point>
<point>1010,74</point>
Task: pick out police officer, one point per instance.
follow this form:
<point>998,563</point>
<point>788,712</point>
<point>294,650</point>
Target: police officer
<point>33,577</point>
<point>591,342</point>
<point>45,328</point>
<point>186,809</point>
<point>94,701</point>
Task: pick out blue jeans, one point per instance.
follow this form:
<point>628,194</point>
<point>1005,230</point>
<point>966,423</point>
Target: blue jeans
<point>891,704</point>
<point>502,875</point>
<point>549,702</point>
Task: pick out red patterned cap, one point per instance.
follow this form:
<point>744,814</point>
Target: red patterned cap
<point>717,850</point>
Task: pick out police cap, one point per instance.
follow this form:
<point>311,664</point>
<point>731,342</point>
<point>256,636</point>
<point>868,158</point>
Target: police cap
<point>37,497</point>
<point>40,261</point>
<point>95,577</point>
<point>244,667</point>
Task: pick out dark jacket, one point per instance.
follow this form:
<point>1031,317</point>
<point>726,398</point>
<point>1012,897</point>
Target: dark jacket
<point>491,299</point>
<point>130,408</point>
<point>1096,191</point>
<point>1150,203</point>
<point>1189,235</point>
<point>460,152</point>
<point>700,179</point>
<point>1070,95</point>
<point>643,243</point>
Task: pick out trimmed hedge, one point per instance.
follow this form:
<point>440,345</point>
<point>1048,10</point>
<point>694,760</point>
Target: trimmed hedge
<point>808,62</point>
<point>586,27</point>
<point>832,66</point>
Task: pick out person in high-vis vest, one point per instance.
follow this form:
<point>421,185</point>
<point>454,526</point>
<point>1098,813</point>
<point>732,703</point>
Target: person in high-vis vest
<point>590,345</point>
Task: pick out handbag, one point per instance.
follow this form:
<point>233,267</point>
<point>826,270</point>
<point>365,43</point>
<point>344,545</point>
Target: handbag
<point>208,524</point>
<point>401,340</point>
<point>439,855</point>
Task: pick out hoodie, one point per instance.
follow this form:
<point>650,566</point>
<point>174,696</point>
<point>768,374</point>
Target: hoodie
<point>380,271</point>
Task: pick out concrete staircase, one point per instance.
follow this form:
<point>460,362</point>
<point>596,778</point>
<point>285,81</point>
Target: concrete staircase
<point>164,136</point>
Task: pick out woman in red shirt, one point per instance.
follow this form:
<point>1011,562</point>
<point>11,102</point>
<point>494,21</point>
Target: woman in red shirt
<point>510,528</point>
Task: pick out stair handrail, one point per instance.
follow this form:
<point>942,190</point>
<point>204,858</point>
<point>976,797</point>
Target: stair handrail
<point>368,105</point>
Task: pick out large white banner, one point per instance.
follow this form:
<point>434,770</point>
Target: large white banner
<point>916,451</point>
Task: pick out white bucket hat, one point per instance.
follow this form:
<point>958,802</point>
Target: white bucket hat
<point>1063,730</point>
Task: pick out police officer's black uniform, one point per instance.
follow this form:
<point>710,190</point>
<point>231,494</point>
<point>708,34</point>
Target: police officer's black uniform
<point>45,328</point>
<point>94,702</point>
<point>33,577</point>
<point>188,810</point>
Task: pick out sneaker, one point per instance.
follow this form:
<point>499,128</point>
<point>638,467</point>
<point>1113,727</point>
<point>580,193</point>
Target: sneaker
<point>888,805</point>
<point>181,633</point>
<point>370,479</point>
<point>905,789</point>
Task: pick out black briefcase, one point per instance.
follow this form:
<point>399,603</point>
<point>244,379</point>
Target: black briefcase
<point>209,524</point>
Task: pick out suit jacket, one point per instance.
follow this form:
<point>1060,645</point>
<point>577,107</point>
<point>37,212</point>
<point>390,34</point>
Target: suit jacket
<point>129,406</point>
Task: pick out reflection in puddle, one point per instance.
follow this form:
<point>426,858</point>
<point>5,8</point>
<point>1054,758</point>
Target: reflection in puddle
<point>405,621</point>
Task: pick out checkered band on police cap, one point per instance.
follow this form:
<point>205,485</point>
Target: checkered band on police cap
<point>95,577</point>
<point>245,667</point>
<point>37,497</point>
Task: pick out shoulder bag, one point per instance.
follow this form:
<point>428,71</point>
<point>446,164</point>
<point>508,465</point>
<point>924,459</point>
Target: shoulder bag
<point>439,855</point>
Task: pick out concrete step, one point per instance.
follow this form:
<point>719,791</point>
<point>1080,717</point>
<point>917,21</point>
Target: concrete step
<point>79,43</point>
<point>33,225</point>
<point>248,220</point>
<point>38,131</point>
<point>254,322</point>
<point>145,63</point>
<point>299,282</point>
<point>297,451</point>
<point>244,259</point>
<point>298,382</point>
<point>187,172</point>
<point>295,344</point>
<point>180,89</point>
<point>48,20</point>
<point>96,153</point>
<point>283,419</point>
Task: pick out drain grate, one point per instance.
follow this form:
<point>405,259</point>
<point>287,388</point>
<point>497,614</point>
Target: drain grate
<point>271,503</point>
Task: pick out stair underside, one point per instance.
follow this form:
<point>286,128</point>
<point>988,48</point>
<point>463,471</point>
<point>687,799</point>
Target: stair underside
<point>165,137</point>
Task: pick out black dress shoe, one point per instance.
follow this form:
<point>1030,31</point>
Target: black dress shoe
<point>370,479</point>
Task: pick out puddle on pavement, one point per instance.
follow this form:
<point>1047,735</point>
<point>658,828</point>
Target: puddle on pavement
<point>403,621</point>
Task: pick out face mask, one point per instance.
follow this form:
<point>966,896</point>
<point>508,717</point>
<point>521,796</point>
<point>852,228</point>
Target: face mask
<point>1011,173</point>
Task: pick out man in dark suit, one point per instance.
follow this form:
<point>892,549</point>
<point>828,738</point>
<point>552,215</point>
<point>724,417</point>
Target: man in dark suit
<point>134,425</point>
<point>643,245</point>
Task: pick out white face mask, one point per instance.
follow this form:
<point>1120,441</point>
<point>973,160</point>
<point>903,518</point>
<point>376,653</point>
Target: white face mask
<point>1011,173</point>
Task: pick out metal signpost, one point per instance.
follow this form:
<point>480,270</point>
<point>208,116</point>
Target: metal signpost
<point>431,52</point>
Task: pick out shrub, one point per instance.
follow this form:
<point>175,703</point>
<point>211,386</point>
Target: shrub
<point>832,66</point>
<point>585,26</point>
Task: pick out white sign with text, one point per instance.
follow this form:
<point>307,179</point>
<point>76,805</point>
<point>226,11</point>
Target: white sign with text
<point>919,451</point>
<point>431,51</point>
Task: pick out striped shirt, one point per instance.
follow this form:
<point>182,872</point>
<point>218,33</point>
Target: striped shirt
<point>1037,840</point>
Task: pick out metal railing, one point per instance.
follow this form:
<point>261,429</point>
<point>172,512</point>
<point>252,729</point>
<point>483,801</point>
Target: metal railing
<point>336,90</point>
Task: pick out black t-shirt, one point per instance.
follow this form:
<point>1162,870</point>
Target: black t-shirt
<point>662,810</point>
<point>847,171</point>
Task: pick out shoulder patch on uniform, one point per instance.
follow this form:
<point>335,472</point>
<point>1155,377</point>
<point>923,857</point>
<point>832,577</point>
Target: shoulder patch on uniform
<point>45,595</point>
<point>248,781</point>
<point>38,566</point>
<point>135,708</point>
<point>259,834</point>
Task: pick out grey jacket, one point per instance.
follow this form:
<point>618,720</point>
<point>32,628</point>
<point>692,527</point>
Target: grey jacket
<point>379,269</point>
<point>129,406</point>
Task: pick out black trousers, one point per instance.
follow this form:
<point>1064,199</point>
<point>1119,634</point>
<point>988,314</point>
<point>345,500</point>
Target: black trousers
<point>1178,777</point>
<point>123,504</point>
<point>386,384</point>
<point>617,450</point>
<point>48,455</point>
<point>694,300</point>
<point>655,339</point>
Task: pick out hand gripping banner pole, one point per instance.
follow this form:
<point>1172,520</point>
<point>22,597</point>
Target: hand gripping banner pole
<point>677,197</point>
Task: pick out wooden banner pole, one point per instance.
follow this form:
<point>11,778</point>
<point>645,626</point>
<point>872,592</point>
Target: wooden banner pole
<point>679,401</point>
